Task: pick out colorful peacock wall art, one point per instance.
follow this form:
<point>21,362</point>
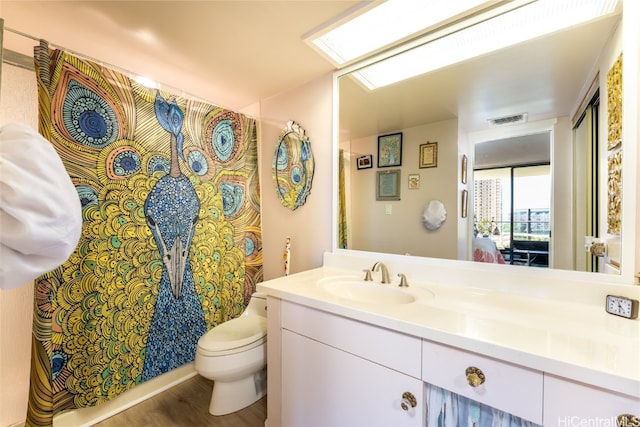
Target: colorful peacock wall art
<point>171,240</point>
<point>171,210</point>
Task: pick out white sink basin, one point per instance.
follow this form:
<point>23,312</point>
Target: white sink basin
<point>372,292</point>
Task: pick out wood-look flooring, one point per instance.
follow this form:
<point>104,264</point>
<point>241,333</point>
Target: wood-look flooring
<point>186,405</point>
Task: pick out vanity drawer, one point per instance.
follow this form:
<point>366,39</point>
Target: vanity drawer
<point>568,403</point>
<point>507,387</point>
<point>383,346</point>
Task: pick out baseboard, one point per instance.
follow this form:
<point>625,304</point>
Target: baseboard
<point>85,417</point>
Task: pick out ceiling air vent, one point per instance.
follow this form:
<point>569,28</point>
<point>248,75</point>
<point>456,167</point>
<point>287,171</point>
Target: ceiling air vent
<point>509,120</point>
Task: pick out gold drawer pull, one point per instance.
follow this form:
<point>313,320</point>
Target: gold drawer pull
<point>627,420</point>
<point>475,376</point>
<point>408,401</point>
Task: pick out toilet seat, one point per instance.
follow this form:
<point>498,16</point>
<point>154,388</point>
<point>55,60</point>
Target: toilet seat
<point>239,334</point>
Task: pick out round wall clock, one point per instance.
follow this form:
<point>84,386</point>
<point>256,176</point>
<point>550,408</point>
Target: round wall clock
<point>293,166</point>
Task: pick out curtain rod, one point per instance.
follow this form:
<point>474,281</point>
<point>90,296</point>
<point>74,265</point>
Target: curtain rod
<point>128,73</point>
<point>18,59</point>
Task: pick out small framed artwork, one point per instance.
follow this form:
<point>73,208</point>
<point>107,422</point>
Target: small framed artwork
<point>463,178</point>
<point>465,198</point>
<point>390,150</point>
<point>414,181</point>
<point>388,185</point>
<point>429,155</point>
<point>364,162</point>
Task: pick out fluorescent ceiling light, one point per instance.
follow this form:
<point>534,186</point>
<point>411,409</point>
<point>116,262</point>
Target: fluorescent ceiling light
<point>385,24</point>
<point>525,23</point>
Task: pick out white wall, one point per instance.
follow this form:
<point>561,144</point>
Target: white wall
<point>18,103</point>
<point>562,172</point>
<point>401,232</point>
<point>309,226</point>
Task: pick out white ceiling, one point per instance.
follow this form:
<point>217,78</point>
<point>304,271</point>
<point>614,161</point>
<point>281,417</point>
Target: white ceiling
<point>518,150</point>
<point>544,78</point>
<point>236,53</point>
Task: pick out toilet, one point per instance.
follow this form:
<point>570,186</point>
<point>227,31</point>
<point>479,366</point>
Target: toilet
<point>234,356</point>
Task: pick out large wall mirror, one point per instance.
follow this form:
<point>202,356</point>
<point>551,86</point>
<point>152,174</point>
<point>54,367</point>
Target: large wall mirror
<point>541,89</point>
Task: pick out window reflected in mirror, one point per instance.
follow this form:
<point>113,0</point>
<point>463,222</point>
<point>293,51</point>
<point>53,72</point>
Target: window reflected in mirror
<point>512,208</point>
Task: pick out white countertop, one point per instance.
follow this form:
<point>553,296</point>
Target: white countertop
<point>575,340</point>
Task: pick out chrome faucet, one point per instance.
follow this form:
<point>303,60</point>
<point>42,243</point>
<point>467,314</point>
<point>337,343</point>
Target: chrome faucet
<point>385,272</point>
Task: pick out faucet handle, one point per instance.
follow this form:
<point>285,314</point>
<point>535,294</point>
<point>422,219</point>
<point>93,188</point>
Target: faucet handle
<point>403,281</point>
<point>367,275</point>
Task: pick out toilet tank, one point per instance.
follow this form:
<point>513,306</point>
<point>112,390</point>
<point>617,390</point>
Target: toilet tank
<point>257,305</point>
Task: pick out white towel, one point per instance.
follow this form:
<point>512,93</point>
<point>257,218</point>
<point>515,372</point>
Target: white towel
<point>40,211</point>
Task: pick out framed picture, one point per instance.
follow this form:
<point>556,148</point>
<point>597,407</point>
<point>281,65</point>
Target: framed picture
<point>388,185</point>
<point>429,155</point>
<point>465,197</point>
<point>414,181</point>
<point>390,150</point>
<point>365,162</point>
<point>463,178</point>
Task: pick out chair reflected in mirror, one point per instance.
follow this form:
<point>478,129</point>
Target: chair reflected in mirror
<point>485,250</point>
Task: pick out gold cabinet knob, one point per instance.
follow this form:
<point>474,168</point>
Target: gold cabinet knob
<point>408,401</point>
<point>627,420</point>
<point>475,376</point>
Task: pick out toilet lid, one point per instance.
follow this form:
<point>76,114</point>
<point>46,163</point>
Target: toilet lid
<point>235,333</point>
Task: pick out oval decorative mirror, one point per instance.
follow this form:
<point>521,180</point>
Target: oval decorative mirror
<point>293,166</point>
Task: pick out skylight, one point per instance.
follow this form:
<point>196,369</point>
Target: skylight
<point>525,23</point>
<point>393,22</point>
<point>385,24</point>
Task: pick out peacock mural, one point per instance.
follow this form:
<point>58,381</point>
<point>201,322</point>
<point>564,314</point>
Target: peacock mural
<point>171,211</point>
<point>171,239</point>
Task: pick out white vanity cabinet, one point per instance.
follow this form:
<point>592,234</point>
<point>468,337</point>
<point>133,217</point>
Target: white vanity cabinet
<point>340,372</point>
<point>569,403</point>
<point>327,368</point>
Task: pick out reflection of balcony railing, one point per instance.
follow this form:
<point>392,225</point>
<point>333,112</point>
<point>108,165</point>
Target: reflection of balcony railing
<point>533,231</point>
